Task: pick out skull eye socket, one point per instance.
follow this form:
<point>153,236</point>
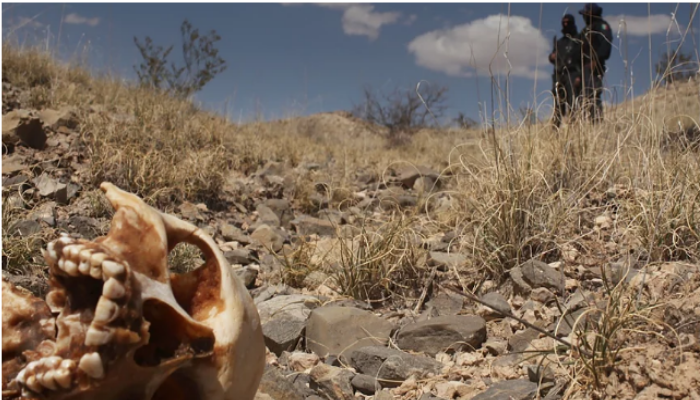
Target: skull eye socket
<point>171,336</point>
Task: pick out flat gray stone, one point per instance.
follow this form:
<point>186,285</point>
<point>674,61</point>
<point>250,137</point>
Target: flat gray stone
<point>391,366</point>
<point>451,332</point>
<point>332,382</point>
<point>283,332</point>
<point>366,384</point>
<point>518,389</point>
<point>340,330</point>
<point>539,274</point>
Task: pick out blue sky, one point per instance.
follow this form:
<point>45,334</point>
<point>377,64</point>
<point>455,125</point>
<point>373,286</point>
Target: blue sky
<point>292,59</point>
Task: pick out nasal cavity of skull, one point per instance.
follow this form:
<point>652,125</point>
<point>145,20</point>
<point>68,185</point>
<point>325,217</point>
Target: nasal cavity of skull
<point>185,257</point>
<point>172,336</point>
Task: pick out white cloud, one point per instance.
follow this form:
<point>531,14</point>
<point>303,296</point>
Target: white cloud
<point>641,25</point>
<point>363,20</point>
<point>23,22</point>
<point>457,51</point>
<point>74,18</point>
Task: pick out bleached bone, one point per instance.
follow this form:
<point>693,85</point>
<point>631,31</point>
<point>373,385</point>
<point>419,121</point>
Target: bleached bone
<point>128,329</point>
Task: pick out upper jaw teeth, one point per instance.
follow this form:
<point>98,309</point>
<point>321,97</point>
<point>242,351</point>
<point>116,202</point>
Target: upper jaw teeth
<point>79,258</point>
<point>76,259</point>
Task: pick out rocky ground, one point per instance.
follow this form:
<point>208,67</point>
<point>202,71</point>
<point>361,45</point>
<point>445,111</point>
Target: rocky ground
<point>363,295</point>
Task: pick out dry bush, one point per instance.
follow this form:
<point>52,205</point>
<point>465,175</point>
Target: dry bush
<point>402,111</point>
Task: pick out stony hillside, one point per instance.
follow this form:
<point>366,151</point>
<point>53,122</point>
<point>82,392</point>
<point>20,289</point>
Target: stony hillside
<point>527,264</point>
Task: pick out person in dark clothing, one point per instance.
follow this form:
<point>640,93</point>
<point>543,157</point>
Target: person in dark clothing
<point>566,58</point>
<point>596,47</point>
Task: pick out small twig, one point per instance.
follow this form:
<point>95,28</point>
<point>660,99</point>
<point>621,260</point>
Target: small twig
<point>510,315</point>
<point>423,295</point>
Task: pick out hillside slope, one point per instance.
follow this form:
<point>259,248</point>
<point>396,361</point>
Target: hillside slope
<point>599,222</point>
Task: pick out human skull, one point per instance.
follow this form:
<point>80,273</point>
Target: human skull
<point>128,329</point>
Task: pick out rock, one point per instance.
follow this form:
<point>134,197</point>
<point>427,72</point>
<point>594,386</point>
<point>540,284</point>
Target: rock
<point>366,384</point>
<point>12,164</point>
<point>332,382</point>
<point>297,305</point>
<point>300,362</point>
<point>247,275</point>
<point>267,237</point>
<point>303,382</point>
<point>538,274</point>
<point>190,212</point>
<point>333,216</point>
<point>51,188</point>
<point>518,389</point>
<point>408,175</point>
<point>446,261</point>
<point>340,330</point>
<point>45,212</point>
<point>496,346</point>
<point>240,257</point>
<point>315,279</point>
<point>17,180</point>
<point>283,332</point>
<point>407,201</point>
<point>565,325</point>
<point>603,221</point>
<point>394,197</point>
<point>21,126</point>
<point>577,300</point>
<point>267,216</point>
<point>428,396</point>
<point>306,225</point>
<point>65,117</point>
<point>391,366</point>
<point>232,234</point>
<point>519,284</point>
<point>499,306</point>
<point>457,332</point>
<point>86,227</point>
<point>452,390</point>
<point>72,191</point>
<point>521,340</point>
<point>543,295</point>
<point>446,303</point>
<point>282,209</point>
<point>425,184</point>
<point>537,373</point>
<point>279,387</point>
<point>25,228</point>
<point>272,168</point>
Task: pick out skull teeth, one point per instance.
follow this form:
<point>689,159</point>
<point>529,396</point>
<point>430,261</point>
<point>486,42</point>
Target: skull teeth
<point>106,311</point>
<point>63,378</point>
<point>33,384</point>
<point>72,250</point>
<point>97,336</point>
<point>91,364</point>
<point>96,272</point>
<point>113,289</point>
<point>52,373</point>
<point>69,266</point>
<point>112,268</point>
<point>77,260</point>
<point>50,254</point>
<point>97,259</point>
<point>47,380</point>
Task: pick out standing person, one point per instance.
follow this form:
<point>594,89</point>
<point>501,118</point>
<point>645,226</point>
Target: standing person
<point>596,46</point>
<point>566,57</point>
